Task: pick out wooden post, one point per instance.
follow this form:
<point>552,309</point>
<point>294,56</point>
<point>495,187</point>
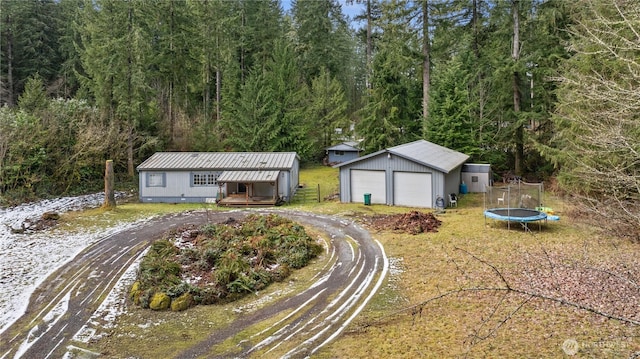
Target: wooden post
<point>109,194</point>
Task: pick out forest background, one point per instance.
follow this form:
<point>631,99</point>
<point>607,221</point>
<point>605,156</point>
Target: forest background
<point>547,90</point>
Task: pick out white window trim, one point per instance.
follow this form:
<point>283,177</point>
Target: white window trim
<point>152,181</point>
<point>204,179</point>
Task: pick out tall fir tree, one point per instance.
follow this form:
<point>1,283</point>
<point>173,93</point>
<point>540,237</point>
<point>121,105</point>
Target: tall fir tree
<point>29,35</point>
<point>597,139</point>
<point>392,112</point>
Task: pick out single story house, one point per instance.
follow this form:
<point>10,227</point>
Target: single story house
<point>243,178</point>
<point>413,174</point>
<point>343,152</point>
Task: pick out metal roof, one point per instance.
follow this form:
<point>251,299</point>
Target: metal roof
<point>476,167</point>
<point>218,161</point>
<point>423,152</point>
<point>430,154</point>
<point>248,176</point>
<point>345,146</point>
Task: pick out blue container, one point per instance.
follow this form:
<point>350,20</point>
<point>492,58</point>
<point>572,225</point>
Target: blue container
<point>463,188</point>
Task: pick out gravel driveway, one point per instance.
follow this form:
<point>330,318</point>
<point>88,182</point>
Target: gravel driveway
<point>63,305</point>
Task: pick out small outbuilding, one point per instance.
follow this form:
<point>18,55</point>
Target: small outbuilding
<point>343,152</point>
<point>413,174</point>
<point>241,178</point>
<point>477,176</point>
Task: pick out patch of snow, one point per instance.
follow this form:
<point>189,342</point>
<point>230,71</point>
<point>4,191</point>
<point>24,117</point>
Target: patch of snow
<point>262,300</point>
<point>28,259</point>
<point>112,307</point>
<point>395,267</point>
<point>50,318</point>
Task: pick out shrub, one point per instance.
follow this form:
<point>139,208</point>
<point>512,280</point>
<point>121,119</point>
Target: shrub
<point>179,289</point>
<point>135,293</point>
<point>188,255</point>
<point>280,272</point>
<point>145,297</point>
<point>209,295</point>
<point>183,302</point>
<point>231,259</point>
<point>160,301</point>
<point>211,255</point>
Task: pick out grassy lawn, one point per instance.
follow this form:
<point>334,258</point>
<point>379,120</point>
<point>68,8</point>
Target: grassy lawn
<point>473,289</point>
<point>562,260</point>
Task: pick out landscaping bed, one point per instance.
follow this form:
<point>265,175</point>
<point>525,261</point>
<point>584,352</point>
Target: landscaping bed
<point>221,262</point>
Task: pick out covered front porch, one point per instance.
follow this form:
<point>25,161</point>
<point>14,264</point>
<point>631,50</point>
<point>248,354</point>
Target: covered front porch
<point>241,199</point>
<point>249,188</point>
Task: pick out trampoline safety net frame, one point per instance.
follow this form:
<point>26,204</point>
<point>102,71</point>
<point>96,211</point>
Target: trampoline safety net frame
<point>516,202</point>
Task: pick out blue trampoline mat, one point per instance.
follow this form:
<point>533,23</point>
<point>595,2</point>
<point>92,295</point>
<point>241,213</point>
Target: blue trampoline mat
<point>515,214</point>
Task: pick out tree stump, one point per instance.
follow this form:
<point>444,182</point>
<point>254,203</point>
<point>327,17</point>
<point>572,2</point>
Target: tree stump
<point>109,194</point>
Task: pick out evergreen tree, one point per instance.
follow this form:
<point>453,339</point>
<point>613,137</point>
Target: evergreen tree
<point>392,114</point>
<point>67,84</point>
<point>29,42</point>
<point>325,111</point>
<point>34,98</point>
<point>597,140</point>
<point>115,57</point>
<point>268,116</point>
<point>451,123</point>
<point>322,39</point>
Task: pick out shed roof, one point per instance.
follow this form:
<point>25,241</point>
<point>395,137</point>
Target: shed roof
<point>219,161</point>
<point>424,152</point>
<point>248,176</point>
<point>476,167</point>
<point>345,146</point>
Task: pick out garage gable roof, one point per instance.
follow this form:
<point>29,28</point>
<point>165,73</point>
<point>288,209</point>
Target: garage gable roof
<point>424,152</point>
<point>219,161</point>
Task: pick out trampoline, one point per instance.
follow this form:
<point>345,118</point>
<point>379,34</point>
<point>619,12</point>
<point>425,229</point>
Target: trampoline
<point>520,215</point>
<point>519,202</point>
<point>523,215</point>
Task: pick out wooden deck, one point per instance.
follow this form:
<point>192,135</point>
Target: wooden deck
<point>239,200</point>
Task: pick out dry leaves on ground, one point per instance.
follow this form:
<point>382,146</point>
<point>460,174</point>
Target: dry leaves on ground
<point>413,222</point>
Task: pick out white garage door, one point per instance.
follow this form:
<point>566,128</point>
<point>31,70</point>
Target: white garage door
<point>368,182</point>
<point>412,189</point>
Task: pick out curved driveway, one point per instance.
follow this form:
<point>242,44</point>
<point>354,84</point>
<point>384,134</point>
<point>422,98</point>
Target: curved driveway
<point>64,303</point>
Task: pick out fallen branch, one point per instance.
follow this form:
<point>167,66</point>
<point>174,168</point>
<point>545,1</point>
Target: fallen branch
<point>507,288</point>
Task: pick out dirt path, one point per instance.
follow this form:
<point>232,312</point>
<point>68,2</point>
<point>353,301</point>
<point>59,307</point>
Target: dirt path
<point>65,302</point>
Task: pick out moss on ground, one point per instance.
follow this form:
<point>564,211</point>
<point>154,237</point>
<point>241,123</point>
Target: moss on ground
<point>160,301</point>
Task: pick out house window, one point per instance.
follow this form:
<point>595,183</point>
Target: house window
<point>156,179</point>
<point>474,179</point>
<point>339,153</point>
<point>204,179</point>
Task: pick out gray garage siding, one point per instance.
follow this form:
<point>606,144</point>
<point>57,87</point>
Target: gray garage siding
<point>452,180</point>
<point>390,165</point>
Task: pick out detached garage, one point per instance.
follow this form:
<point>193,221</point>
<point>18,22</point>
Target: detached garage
<point>413,174</point>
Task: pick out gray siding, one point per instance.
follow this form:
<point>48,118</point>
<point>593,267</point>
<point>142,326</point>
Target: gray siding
<point>178,186</point>
<point>391,165</point>
<point>293,180</point>
<point>347,156</point>
<point>452,184</point>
